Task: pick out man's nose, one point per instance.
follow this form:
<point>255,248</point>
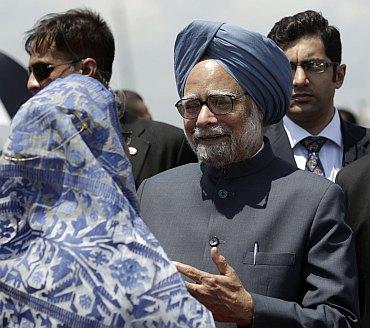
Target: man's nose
<point>300,77</point>
<point>206,117</point>
<point>32,84</point>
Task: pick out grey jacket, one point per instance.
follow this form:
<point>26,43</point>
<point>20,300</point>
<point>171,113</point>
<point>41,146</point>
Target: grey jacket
<point>304,273</point>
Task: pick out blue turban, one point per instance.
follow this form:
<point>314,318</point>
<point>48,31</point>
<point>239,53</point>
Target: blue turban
<point>257,63</point>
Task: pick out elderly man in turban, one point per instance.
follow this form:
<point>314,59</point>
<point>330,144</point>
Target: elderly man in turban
<point>287,255</point>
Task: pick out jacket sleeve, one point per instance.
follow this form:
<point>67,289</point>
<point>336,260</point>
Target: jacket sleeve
<point>329,294</point>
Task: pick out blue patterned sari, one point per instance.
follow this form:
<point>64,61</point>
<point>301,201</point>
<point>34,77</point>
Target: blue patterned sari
<point>73,250</point>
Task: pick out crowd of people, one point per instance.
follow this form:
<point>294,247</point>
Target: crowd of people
<point>255,215</point>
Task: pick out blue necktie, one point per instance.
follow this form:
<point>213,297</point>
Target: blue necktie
<point>313,146</point>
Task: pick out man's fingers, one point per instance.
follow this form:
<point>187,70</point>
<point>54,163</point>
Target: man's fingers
<point>190,272</point>
<point>223,267</point>
<point>192,288</point>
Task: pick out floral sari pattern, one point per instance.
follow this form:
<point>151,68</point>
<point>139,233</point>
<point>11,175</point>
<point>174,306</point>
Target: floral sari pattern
<point>74,251</point>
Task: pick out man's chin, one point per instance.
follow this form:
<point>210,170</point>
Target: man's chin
<point>216,162</point>
<point>299,109</point>
<point>219,155</point>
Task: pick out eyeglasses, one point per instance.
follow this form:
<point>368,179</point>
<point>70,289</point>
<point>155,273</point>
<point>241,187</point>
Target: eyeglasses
<point>218,104</point>
<point>313,66</point>
<point>42,71</point>
<point>127,137</point>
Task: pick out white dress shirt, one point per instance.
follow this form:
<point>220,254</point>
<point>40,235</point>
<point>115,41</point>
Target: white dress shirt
<point>331,153</point>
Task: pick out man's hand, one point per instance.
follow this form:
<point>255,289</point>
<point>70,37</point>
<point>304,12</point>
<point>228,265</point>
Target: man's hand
<point>223,294</point>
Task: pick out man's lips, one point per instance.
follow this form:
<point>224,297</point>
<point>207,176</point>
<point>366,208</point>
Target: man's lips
<point>211,138</point>
<point>301,96</point>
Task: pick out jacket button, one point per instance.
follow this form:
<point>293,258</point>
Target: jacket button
<point>132,150</point>
<point>222,193</point>
<point>214,242</point>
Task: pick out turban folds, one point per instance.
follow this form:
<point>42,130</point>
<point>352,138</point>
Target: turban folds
<point>256,62</point>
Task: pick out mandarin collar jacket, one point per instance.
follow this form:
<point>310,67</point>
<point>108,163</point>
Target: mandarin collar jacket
<point>304,256</point>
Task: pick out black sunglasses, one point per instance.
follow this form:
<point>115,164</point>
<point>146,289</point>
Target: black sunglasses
<point>42,71</point>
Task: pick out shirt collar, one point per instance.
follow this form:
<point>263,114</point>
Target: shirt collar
<point>296,133</point>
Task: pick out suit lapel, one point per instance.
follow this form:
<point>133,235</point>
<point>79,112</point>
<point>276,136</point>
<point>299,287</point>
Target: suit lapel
<point>280,142</point>
<point>140,144</point>
<point>355,142</point>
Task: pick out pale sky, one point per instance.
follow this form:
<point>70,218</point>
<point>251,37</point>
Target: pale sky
<point>145,31</point>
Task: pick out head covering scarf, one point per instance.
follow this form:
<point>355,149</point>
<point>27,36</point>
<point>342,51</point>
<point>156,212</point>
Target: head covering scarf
<point>257,63</point>
<point>73,250</point>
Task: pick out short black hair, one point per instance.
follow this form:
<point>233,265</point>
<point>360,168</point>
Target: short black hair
<point>307,23</point>
<point>79,33</point>
<point>127,101</point>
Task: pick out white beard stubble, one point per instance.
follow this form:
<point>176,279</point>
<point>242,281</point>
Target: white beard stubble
<point>233,149</point>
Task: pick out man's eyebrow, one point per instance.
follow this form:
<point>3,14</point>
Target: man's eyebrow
<point>39,61</point>
<point>312,59</point>
<point>212,93</point>
<point>189,95</point>
<point>222,93</point>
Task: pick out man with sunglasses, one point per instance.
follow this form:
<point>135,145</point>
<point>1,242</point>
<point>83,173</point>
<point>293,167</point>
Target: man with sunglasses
<point>312,135</point>
<point>77,42</point>
<point>58,47</point>
<point>262,243</point>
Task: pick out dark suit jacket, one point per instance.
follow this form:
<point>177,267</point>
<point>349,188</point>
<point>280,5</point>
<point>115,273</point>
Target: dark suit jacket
<point>159,146</point>
<point>305,272</point>
<point>356,142</point>
<point>355,181</point>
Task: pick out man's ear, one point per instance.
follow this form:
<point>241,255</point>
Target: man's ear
<point>89,67</point>
<point>340,73</point>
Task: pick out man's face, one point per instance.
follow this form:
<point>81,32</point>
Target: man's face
<point>221,139</point>
<point>62,68</point>
<point>312,100</point>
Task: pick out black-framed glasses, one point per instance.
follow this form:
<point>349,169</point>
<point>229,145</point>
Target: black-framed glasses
<point>42,71</point>
<point>127,135</point>
<point>218,104</point>
<point>313,65</point>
